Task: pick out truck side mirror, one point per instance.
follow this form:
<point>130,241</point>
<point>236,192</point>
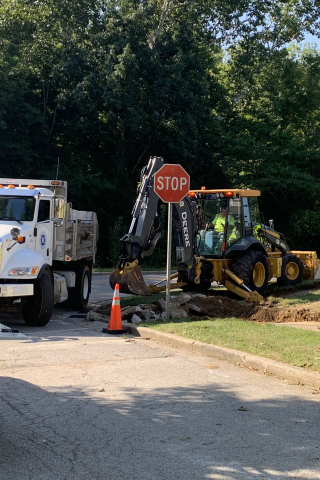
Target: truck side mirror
<point>57,222</point>
<point>59,211</point>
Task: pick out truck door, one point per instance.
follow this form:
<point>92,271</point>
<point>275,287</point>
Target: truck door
<point>44,226</point>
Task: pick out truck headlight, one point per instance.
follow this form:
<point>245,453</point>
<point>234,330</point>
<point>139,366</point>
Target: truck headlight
<point>24,271</point>
<point>15,232</point>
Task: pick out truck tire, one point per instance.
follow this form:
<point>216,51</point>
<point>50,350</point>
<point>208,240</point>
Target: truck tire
<point>252,268</point>
<point>291,271</point>
<point>38,309</point>
<point>79,295</point>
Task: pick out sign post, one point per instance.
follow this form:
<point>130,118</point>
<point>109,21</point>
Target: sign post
<point>171,183</point>
<point>169,244</point>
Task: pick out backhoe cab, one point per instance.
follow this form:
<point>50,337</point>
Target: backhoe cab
<point>219,237</point>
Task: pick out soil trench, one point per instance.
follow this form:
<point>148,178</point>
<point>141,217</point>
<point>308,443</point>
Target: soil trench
<point>220,305</point>
<point>267,311</point>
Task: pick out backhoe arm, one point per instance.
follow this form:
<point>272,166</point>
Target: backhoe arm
<point>274,238</point>
<point>142,237</point>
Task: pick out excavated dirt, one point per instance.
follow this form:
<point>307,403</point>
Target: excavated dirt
<point>220,306</point>
<point>274,313</point>
<point>265,312</point>
<point>268,311</point>
<point>223,307</point>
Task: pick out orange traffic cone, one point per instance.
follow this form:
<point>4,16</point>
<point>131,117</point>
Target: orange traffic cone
<point>115,323</point>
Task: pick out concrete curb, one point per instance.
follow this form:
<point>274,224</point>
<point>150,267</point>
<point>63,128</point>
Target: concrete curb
<point>294,374</point>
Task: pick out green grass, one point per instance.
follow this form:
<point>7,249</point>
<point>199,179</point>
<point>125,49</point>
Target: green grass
<point>286,344</point>
<point>299,299</point>
<point>304,285</point>
<point>139,300</point>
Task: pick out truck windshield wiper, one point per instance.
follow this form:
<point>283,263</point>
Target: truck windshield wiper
<point>11,218</point>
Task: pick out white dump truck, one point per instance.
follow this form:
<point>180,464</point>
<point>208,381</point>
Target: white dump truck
<point>46,249</point>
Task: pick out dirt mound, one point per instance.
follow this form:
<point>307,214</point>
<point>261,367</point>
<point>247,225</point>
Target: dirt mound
<point>268,311</point>
<point>222,307</point>
<point>274,313</point>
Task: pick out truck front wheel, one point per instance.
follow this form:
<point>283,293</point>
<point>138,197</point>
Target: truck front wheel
<point>79,295</point>
<point>38,309</point>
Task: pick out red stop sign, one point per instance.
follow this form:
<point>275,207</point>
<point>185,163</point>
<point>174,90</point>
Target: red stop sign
<point>171,183</point>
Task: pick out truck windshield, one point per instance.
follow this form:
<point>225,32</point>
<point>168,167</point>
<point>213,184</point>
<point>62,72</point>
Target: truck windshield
<point>17,208</point>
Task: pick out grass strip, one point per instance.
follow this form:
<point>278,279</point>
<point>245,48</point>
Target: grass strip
<point>300,348</point>
<point>302,298</point>
<point>304,285</point>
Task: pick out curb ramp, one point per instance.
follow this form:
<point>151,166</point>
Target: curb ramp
<point>261,364</point>
<point>7,334</point>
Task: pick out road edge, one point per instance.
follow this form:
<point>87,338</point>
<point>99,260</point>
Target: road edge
<point>261,364</point>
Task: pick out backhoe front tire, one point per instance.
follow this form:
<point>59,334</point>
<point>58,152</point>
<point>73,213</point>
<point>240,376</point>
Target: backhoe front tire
<point>291,271</point>
<point>38,309</point>
<point>252,268</point>
<point>79,295</point>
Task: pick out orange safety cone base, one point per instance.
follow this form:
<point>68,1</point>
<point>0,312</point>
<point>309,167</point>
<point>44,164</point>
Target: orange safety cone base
<point>114,332</point>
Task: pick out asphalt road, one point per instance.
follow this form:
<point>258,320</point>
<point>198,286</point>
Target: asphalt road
<point>77,404</point>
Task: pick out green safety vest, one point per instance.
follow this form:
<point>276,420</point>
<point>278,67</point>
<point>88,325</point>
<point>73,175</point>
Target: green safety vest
<point>220,221</point>
<point>256,231</point>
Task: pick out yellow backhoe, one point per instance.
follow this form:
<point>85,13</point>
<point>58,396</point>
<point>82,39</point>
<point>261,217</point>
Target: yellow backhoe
<point>219,237</point>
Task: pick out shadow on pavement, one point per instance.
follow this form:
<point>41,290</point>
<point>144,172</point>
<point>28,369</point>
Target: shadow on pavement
<point>154,434</point>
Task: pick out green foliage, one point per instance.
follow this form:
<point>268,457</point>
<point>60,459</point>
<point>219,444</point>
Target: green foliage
<point>103,85</point>
<point>275,129</point>
<point>115,233</point>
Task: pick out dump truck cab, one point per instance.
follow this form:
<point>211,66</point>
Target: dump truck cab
<point>28,215</point>
<point>46,249</point>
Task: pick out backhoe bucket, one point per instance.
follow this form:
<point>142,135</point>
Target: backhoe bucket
<point>130,280</point>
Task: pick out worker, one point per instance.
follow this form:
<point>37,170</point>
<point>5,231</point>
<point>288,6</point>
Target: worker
<point>219,220</point>
<point>257,232</point>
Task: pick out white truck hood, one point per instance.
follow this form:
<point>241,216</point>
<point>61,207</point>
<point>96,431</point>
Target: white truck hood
<point>5,229</point>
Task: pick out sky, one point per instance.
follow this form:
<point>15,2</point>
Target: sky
<point>311,39</point>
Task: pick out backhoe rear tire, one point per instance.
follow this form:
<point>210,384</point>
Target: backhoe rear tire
<point>38,309</point>
<point>291,271</point>
<point>252,268</point>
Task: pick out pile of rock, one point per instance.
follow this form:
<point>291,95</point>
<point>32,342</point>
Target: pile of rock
<point>181,306</point>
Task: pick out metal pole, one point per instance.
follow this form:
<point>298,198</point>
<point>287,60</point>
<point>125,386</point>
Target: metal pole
<point>169,240</point>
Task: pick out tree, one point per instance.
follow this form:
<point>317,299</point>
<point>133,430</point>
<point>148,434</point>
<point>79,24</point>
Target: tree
<point>275,131</point>
<point>104,84</point>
